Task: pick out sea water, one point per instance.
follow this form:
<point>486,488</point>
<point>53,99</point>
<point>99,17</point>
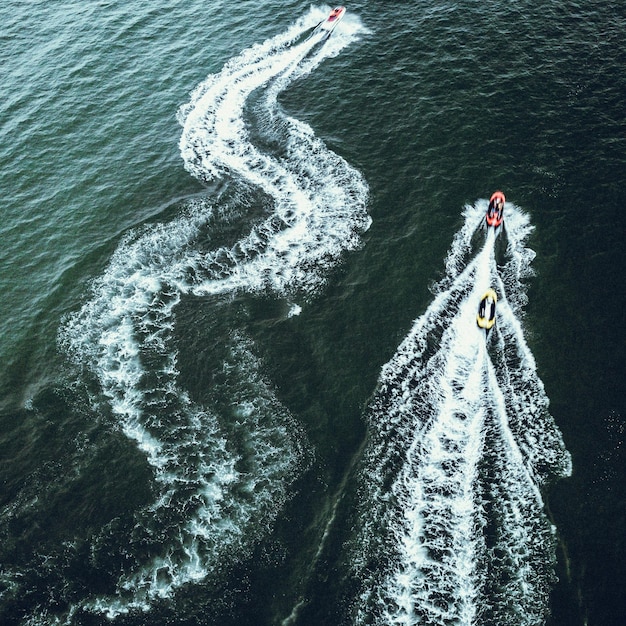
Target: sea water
<point>243,382</point>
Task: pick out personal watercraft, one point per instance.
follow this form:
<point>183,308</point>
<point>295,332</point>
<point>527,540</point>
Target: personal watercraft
<point>328,25</point>
<point>495,212</point>
<point>486,316</point>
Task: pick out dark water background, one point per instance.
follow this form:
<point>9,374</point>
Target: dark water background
<point>434,105</point>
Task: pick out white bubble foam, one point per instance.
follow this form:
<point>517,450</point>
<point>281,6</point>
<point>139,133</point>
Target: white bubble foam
<point>461,442</point>
<point>319,200</point>
<point>220,482</point>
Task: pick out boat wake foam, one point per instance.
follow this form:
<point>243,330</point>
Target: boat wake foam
<point>318,200</point>
<point>461,444</point>
<point>221,472</point>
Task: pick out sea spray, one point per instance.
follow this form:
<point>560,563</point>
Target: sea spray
<point>222,472</point>
<point>452,527</point>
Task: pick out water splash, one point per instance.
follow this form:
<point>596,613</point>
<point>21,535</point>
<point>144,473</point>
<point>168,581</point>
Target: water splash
<point>319,200</point>
<point>461,443</point>
<point>221,475</point>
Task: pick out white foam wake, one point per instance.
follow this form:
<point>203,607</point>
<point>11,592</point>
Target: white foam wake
<point>460,444</point>
<point>318,200</point>
<point>221,474</point>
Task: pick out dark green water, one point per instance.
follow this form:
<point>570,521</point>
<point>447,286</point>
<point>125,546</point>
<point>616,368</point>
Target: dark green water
<point>192,363</point>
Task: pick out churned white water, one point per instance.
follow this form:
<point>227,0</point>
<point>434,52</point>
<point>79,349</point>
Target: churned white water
<point>208,507</point>
<point>461,442</point>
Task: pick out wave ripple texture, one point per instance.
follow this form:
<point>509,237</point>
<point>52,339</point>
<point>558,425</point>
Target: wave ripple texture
<point>461,445</point>
<point>221,472</point>
<point>319,200</point>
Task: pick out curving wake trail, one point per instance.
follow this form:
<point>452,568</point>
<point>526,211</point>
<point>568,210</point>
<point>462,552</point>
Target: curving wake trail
<point>461,443</point>
<point>318,200</point>
<point>222,470</point>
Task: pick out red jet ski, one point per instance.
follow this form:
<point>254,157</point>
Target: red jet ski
<point>495,211</point>
<point>332,20</point>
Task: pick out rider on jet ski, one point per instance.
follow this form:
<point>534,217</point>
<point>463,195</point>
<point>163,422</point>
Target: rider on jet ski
<point>495,211</point>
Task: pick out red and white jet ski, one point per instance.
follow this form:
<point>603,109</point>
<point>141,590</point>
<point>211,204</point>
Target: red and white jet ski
<point>328,25</point>
<point>495,212</point>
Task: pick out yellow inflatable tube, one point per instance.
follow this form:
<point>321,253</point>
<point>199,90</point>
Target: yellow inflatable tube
<point>486,316</point>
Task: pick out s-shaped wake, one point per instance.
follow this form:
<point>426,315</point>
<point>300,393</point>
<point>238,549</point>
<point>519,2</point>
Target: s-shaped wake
<point>221,473</point>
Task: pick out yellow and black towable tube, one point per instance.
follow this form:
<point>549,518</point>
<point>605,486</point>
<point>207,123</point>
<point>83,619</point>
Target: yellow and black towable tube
<point>486,317</point>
